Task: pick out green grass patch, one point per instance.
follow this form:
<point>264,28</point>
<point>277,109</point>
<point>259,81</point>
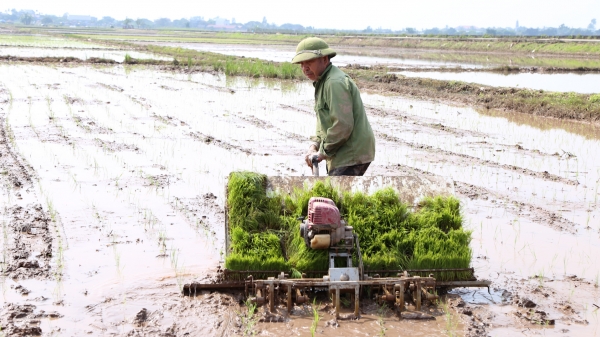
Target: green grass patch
<point>206,61</point>
<point>264,230</point>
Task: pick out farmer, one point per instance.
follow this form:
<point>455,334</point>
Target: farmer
<point>344,137</point>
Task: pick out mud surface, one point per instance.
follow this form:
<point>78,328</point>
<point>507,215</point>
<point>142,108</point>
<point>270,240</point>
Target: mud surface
<point>113,188</point>
<point>27,240</point>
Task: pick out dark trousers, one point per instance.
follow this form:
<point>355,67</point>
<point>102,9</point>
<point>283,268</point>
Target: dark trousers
<point>354,170</point>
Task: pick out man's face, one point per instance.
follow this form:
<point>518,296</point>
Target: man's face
<point>315,67</point>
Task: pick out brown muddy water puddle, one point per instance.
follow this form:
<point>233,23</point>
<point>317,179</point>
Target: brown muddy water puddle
<point>580,83</point>
<point>131,162</point>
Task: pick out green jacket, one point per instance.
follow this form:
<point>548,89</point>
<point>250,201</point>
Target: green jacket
<point>344,135</point>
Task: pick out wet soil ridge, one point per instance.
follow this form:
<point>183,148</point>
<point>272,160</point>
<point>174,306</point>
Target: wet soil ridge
<point>210,140</point>
<point>56,59</point>
<point>203,212</point>
<point>28,252</point>
<point>262,124</point>
<point>516,46</point>
<point>471,160</point>
<point>501,69</point>
<point>13,173</point>
<point>581,107</point>
<point>535,213</point>
<point>114,146</point>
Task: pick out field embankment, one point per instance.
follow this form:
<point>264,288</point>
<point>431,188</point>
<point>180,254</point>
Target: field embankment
<point>562,105</point>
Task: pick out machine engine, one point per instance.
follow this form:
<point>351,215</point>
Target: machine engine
<point>324,228</point>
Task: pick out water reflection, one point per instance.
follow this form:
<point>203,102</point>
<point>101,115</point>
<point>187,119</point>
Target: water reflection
<point>581,83</point>
<point>587,130</point>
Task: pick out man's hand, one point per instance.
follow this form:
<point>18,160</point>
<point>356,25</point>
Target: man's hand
<point>310,154</point>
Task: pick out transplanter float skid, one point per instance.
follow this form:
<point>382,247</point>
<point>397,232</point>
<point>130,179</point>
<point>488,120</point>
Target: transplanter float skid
<point>324,229</point>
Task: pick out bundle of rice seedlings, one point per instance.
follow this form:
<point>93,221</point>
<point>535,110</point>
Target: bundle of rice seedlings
<point>391,237</point>
<point>440,212</point>
<point>253,219</point>
<point>435,249</point>
<point>380,221</point>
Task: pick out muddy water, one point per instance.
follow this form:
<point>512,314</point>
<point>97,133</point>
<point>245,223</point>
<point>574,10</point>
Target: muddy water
<point>286,53</point>
<point>83,54</point>
<point>133,162</point>
<point>580,83</point>
<point>394,57</point>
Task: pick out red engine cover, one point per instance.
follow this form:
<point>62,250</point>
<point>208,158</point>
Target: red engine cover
<point>322,211</point>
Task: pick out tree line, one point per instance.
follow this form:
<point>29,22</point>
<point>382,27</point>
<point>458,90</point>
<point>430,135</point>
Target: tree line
<point>29,17</point>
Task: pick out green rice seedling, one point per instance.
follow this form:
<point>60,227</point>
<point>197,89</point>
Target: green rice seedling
<point>443,213</point>
<point>118,264</point>
<point>10,100</point>
<point>316,318</point>
<point>451,322</point>
<point>179,276</point>
<point>437,250</point>
<point>49,104</point>
<point>540,278</point>
<point>248,319</point>
<point>382,312</point>
<point>174,257</point>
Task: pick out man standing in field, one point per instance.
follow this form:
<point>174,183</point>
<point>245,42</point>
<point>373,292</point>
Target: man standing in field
<point>344,137</point>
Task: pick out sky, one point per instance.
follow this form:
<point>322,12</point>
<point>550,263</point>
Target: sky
<point>387,14</point>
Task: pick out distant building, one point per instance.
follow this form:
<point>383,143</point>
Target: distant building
<point>517,25</point>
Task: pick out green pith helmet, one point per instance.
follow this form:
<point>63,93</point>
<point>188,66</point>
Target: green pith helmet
<point>311,48</point>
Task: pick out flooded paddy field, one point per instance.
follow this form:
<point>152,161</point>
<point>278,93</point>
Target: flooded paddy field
<point>82,54</point>
<point>580,83</point>
<point>43,41</point>
<point>285,53</point>
<point>396,57</point>
<point>113,191</point>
